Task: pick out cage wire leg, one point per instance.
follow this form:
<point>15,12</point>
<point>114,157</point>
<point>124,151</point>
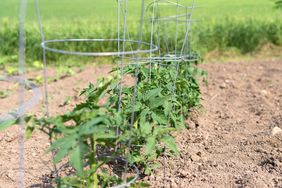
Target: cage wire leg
<point>178,62</point>
<point>162,33</point>
<point>175,52</point>
<point>184,46</point>
<point>191,27</point>
<point>121,64</point>
<point>118,56</point>
<point>121,23</point>
<point>46,98</point>
<point>22,43</point>
<point>176,28</point>
<point>136,80</point>
<point>186,49</point>
<point>158,37</point>
<point>45,81</point>
<point>152,38</point>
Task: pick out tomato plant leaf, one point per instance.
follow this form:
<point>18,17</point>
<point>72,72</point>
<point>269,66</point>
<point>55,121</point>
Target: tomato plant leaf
<point>150,145</point>
<point>167,107</point>
<point>146,128</point>
<point>152,94</point>
<point>92,126</point>
<point>157,102</point>
<point>63,146</point>
<point>6,124</point>
<point>76,158</point>
<point>159,118</point>
<point>169,141</point>
<point>143,116</point>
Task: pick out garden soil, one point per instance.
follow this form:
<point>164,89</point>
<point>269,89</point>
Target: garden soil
<point>234,140</point>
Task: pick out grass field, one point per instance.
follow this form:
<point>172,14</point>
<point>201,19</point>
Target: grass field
<point>93,9</point>
<point>241,25</point>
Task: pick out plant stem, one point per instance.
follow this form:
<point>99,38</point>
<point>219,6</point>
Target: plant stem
<point>94,163</point>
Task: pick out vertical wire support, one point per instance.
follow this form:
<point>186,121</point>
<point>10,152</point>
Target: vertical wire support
<point>46,96</point>
<point>118,25</point>
<point>137,64</point>
<point>184,46</point>
<point>118,33</point>
<point>158,36</point>
<point>121,66</point>
<point>22,59</point>
<point>191,23</point>
<point>136,78</point>
<point>176,29</point>
<point>152,37</point>
<point>186,34</point>
<point>176,39</point>
<point>177,63</point>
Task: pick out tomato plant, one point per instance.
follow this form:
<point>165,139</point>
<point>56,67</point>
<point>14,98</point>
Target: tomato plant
<point>87,137</point>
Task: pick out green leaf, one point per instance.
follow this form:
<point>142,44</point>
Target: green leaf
<point>107,134</point>
<point>63,146</point>
<point>157,102</point>
<point>167,107</point>
<point>159,118</point>
<point>96,92</point>
<point>76,158</point>
<point>150,168</point>
<point>143,116</point>
<point>152,94</point>
<point>118,118</point>
<point>138,107</point>
<point>150,145</point>
<point>169,141</point>
<point>6,124</point>
<point>93,126</point>
<point>146,128</point>
<point>29,130</point>
<point>62,152</point>
<point>159,131</point>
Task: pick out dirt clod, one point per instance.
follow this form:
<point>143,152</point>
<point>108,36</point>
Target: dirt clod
<point>276,131</point>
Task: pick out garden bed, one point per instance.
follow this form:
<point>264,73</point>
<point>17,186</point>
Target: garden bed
<point>231,142</point>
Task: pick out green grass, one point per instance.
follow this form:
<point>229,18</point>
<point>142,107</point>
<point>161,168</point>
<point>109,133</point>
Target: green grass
<point>243,25</point>
<point>93,9</point>
<point>242,9</point>
<point>66,10</point>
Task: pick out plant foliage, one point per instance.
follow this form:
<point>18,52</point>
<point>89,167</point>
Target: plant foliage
<point>145,119</point>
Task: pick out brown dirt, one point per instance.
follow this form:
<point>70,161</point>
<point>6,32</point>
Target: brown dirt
<point>229,144</point>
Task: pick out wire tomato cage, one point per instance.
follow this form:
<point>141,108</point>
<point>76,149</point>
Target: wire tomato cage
<point>125,47</point>
<point>17,115</point>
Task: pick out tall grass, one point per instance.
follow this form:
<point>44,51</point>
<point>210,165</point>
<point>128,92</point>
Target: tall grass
<point>244,35</point>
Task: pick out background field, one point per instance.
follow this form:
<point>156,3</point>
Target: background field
<point>241,26</point>
<point>93,9</point>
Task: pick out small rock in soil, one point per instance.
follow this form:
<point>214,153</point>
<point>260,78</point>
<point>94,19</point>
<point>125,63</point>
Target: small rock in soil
<point>195,158</point>
<point>276,131</point>
<point>264,92</point>
<point>222,86</point>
